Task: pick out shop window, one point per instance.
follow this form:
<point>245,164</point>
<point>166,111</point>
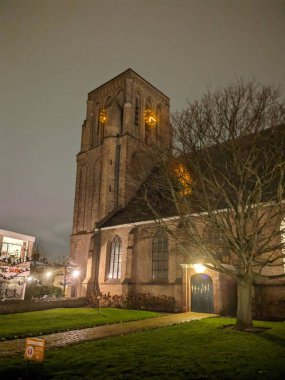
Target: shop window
<point>13,250</point>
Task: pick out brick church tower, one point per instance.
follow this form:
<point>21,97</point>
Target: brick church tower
<point>125,117</point>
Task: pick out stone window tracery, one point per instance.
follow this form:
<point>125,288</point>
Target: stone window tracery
<point>158,121</point>
<point>95,125</point>
<point>160,256</point>
<point>147,137</point>
<point>137,112</point>
<point>115,258</point>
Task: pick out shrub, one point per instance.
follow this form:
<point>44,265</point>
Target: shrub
<point>38,291</point>
<point>140,301</point>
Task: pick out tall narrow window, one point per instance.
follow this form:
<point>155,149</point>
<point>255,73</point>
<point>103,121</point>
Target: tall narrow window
<point>137,112</point>
<point>117,172</point>
<point>121,110</point>
<point>115,258</point>
<point>160,256</point>
<point>95,126</point>
<point>81,199</point>
<point>158,122</point>
<point>148,122</point>
<point>216,243</point>
<point>98,121</point>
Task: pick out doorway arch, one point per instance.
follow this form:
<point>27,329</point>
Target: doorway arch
<point>202,295</point>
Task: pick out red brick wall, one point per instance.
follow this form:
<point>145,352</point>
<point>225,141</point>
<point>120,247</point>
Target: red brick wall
<point>269,302</point>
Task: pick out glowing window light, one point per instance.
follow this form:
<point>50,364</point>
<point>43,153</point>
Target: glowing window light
<point>103,116</point>
<point>149,118</point>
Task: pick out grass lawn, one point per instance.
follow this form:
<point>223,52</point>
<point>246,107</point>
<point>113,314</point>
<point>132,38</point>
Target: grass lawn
<point>54,320</point>
<point>196,350</point>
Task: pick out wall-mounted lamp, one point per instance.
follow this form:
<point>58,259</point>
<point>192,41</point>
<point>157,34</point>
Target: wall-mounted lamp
<point>199,268</point>
<point>75,273</point>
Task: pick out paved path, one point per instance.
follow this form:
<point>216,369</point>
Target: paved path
<point>12,347</point>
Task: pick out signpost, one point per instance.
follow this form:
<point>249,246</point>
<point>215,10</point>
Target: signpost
<point>35,349</point>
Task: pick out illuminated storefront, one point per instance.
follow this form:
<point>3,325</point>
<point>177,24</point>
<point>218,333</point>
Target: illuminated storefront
<point>15,255</point>
<point>13,280</point>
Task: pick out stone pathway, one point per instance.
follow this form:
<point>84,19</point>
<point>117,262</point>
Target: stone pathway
<point>13,347</point>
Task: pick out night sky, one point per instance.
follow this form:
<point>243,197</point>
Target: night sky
<point>54,52</point>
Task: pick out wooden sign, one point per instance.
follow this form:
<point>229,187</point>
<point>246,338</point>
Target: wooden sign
<point>35,349</point>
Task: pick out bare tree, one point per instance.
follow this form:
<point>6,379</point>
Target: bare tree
<point>65,267</point>
<point>38,251</point>
<point>224,180</point>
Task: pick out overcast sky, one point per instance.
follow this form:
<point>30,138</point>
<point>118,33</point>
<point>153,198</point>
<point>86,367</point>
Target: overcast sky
<point>53,52</point>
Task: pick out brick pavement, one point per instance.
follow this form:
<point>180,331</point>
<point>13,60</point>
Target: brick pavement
<point>13,347</point>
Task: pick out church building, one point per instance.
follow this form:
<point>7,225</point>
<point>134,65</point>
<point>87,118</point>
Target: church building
<point>125,260</point>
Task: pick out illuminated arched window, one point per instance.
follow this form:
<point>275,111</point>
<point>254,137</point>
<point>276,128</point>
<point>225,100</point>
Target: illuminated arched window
<point>115,258</point>
<point>160,256</point>
<point>148,109</point>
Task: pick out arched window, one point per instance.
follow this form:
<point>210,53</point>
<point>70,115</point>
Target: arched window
<point>137,111</point>
<point>158,122</point>
<point>216,243</point>
<point>81,198</point>
<point>120,110</point>
<point>95,125</point>
<point>160,256</point>
<point>115,258</point>
<point>147,136</point>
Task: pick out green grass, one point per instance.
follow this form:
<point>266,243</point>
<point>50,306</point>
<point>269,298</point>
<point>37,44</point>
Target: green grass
<point>48,321</point>
<point>196,350</point>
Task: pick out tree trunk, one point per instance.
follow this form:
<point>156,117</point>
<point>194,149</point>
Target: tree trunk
<point>244,307</point>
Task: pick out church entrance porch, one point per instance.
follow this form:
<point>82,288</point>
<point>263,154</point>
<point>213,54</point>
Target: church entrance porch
<point>201,292</point>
